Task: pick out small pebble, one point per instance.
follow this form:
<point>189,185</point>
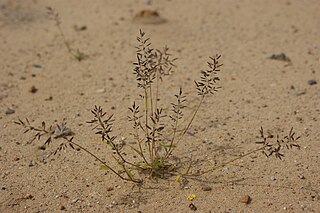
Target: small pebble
<point>280,57</point>
<point>245,199</point>
<point>300,92</point>
<point>148,17</point>
<point>42,147</point>
<point>80,28</point>
<point>31,163</point>
<point>114,203</point>
<point>312,82</point>
<point>62,207</point>
<point>74,200</point>
<point>225,169</point>
<point>33,89</point>
<point>273,178</point>
<point>36,66</point>
<point>206,188</point>
<point>192,207</point>
<point>9,111</point>
<point>49,99</point>
<point>100,90</point>
<point>28,196</point>
<point>109,189</point>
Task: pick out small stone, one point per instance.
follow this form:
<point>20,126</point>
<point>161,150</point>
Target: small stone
<point>62,207</point>
<point>245,199</point>
<point>301,176</point>
<point>280,57</point>
<point>300,92</point>
<point>28,196</point>
<point>33,89</point>
<point>80,28</point>
<point>31,163</point>
<point>36,66</point>
<point>192,207</point>
<point>10,111</point>
<point>42,147</point>
<point>273,178</point>
<point>101,90</point>
<point>16,159</point>
<point>109,189</point>
<point>206,188</point>
<point>148,17</point>
<point>225,169</point>
<point>312,82</point>
<point>74,200</point>
<point>114,203</point>
<point>49,98</point>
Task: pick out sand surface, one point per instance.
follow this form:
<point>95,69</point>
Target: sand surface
<point>41,81</point>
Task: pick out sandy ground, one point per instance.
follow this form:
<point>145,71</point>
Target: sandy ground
<point>257,91</point>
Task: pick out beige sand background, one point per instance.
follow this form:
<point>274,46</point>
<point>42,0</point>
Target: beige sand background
<point>257,91</point>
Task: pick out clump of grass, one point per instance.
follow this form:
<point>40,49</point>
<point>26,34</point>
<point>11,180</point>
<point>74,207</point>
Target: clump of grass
<point>76,53</point>
<point>155,132</point>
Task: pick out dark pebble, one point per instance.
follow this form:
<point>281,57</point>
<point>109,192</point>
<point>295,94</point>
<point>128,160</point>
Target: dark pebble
<point>245,199</point>
<point>10,111</point>
<point>280,57</point>
<point>31,163</point>
<point>36,66</point>
<point>206,188</point>
<point>49,99</point>
<point>80,28</point>
<point>192,207</point>
<point>312,82</point>
<point>33,89</point>
<point>28,196</point>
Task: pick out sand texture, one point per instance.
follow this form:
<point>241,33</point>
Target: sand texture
<point>270,77</point>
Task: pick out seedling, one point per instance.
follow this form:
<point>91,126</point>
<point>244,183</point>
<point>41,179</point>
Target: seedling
<point>54,15</point>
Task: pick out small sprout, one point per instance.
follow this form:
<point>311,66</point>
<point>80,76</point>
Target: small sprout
<point>54,15</point>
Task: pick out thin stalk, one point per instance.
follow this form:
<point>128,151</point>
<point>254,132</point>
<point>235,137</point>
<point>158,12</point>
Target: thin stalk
<point>104,163</point>
<point>120,155</point>
<point>110,142</point>
<point>65,40</point>
<point>141,151</point>
<point>174,135</point>
<point>146,121</point>
<point>193,116</point>
<point>223,164</point>
<point>189,124</point>
<point>156,103</point>
<point>153,145</point>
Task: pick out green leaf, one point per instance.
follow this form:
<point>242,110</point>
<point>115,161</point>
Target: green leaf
<point>104,167</point>
<point>143,165</point>
<point>129,173</point>
<point>137,151</point>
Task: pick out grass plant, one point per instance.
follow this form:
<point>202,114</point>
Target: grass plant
<point>155,133</point>
<point>77,54</point>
